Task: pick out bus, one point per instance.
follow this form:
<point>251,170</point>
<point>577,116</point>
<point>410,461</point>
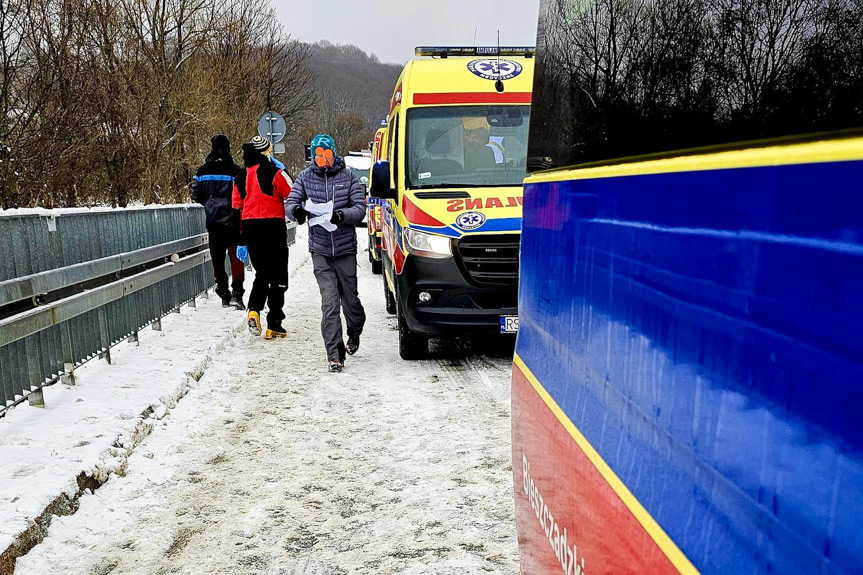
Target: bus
<point>688,376</point>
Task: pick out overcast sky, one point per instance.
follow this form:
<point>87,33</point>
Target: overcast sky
<point>391,28</point>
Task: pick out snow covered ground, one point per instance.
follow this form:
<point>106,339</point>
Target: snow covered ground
<point>268,464</point>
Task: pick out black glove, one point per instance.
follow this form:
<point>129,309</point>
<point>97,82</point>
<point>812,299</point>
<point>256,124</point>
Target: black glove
<point>301,214</point>
<point>338,217</point>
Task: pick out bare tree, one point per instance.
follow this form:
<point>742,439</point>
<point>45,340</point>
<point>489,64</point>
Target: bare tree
<point>114,101</point>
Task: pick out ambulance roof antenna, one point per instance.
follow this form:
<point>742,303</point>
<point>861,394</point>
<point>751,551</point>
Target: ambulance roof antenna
<point>498,85</point>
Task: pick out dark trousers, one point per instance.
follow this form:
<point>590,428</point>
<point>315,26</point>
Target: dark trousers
<point>222,242</point>
<point>267,240</point>
<point>337,280</point>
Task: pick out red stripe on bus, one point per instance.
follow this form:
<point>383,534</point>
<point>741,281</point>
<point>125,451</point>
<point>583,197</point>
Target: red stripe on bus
<point>473,98</point>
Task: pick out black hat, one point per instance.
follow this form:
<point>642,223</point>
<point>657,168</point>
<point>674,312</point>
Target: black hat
<point>220,143</point>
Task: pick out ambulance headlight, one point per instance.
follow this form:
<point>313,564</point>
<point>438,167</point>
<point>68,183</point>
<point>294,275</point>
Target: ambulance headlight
<point>428,245</point>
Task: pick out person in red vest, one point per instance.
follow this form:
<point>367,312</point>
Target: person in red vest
<point>259,195</point>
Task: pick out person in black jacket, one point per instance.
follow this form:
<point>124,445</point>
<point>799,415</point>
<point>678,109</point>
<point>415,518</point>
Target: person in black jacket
<point>212,188</point>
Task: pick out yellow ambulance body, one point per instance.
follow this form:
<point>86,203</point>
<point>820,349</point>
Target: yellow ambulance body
<point>375,205</point>
<point>452,180</point>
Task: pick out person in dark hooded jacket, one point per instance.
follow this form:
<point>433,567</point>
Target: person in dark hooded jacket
<point>334,250</point>
<point>212,189</point>
<point>260,191</point>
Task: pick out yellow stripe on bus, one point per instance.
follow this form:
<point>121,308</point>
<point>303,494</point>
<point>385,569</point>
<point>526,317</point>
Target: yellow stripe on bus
<point>836,150</point>
<point>659,536</point>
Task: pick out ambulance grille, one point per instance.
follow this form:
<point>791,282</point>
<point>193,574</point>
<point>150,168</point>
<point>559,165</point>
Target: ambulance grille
<point>490,260</point>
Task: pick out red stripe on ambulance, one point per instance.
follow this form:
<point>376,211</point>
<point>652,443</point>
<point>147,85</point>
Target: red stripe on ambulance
<point>571,519</point>
<point>422,99</point>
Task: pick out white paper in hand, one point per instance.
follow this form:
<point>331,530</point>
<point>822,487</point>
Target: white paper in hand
<point>324,222</point>
<point>323,213</point>
<point>325,209</point>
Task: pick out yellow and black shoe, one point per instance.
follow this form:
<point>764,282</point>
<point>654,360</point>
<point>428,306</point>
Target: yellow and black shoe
<point>254,323</point>
<point>275,331</point>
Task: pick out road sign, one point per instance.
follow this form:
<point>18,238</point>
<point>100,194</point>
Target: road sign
<point>272,127</point>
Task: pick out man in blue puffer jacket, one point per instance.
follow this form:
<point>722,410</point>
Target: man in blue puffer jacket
<point>334,253</point>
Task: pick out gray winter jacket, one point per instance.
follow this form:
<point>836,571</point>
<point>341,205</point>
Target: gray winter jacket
<point>342,186</point>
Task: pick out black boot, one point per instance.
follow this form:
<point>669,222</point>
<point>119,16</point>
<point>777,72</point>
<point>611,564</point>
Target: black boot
<point>353,344</point>
<point>225,295</point>
<point>236,301</point>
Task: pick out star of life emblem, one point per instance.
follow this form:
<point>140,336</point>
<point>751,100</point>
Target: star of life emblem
<point>470,220</point>
<point>492,68</point>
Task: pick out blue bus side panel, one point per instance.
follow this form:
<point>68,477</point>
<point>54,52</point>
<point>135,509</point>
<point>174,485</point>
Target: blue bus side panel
<point>704,331</point>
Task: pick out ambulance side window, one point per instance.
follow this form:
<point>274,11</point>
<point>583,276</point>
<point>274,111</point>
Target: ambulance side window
<point>394,153</point>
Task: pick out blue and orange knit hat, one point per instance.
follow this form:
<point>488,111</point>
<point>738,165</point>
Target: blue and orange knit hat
<point>323,146</point>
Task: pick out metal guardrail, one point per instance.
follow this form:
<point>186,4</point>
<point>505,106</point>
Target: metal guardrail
<point>71,251</point>
<point>40,242</point>
<point>34,285</point>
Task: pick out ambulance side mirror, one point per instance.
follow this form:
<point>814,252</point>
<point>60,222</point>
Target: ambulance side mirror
<point>381,182</point>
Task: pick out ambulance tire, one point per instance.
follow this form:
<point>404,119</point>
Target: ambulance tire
<point>411,345</point>
<point>389,298</point>
<point>377,265</point>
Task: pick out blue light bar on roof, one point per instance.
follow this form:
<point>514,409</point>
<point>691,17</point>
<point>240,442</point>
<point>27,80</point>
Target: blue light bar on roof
<point>446,51</point>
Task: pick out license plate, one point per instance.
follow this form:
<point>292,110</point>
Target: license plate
<point>508,324</point>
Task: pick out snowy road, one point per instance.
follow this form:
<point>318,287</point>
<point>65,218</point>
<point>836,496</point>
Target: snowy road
<point>271,465</point>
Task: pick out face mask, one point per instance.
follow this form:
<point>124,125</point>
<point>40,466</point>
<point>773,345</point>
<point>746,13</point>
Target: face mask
<point>323,157</point>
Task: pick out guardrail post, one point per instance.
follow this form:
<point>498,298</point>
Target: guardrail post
<point>68,377</point>
<point>104,336</point>
<point>36,398</point>
<point>192,303</point>
<point>157,325</point>
<point>133,337</point>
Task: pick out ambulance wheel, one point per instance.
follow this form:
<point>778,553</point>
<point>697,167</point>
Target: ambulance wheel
<point>389,298</point>
<point>411,345</point>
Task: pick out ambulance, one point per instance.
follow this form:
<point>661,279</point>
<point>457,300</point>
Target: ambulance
<point>375,205</point>
<point>452,180</point>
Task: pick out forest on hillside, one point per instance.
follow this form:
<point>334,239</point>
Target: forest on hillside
<point>114,102</point>
<point>353,91</point>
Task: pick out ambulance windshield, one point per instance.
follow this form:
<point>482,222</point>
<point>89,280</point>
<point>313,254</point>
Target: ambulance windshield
<point>467,146</point>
